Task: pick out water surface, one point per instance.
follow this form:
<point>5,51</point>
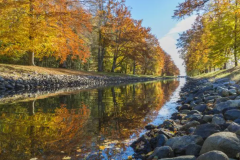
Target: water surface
<point>94,124</point>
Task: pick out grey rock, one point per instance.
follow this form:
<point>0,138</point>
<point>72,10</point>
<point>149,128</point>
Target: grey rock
<point>208,118</point>
<point>9,86</point>
<point>194,112</point>
<point>193,149</point>
<point>193,104</point>
<point>238,97</point>
<point>237,121</point>
<point>223,99</point>
<point>232,114</point>
<point>234,127</point>
<point>161,140</point>
<point>227,142</point>
<point>228,104</point>
<point>189,99</point>
<point>162,152</point>
<point>185,111</point>
<point>217,155</point>
<point>205,130</point>
<point>232,92</point>
<point>211,98</point>
<point>189,125</point>
<point>218,120</point>
<point>201,107</point>
<point>179,144</point>
<point>150,127</point>
<point>229,83</point>
<point>196,116</point>
<point>223,92</point>
<point>181,158</point>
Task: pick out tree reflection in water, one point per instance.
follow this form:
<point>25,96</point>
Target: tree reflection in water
<point>96,124</point>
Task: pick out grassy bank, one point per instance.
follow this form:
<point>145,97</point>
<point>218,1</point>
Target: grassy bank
<point>233,74</point>
<point>16,71</point>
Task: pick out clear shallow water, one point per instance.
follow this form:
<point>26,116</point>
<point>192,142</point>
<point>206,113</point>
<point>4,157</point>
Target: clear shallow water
<point>95,124</point>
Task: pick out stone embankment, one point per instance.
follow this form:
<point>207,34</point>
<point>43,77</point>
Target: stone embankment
<point>206,126</point>
<point>39,82</point>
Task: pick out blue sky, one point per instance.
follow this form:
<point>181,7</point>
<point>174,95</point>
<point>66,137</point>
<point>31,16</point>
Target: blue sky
<point>157,14</point>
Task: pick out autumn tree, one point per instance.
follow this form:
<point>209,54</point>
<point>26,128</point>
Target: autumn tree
<point>44,28</point>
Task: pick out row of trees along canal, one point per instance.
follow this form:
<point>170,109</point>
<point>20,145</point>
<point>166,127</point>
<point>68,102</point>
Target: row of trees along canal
<point>213,40</point>
<point>92,35</point>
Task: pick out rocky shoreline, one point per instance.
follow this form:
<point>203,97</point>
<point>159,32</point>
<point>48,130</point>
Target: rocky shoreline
<point>37,83</point>
<point>206,126</point>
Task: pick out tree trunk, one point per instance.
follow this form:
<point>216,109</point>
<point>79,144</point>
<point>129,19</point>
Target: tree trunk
<point>31,30</point>
<point>31,109</point>
<point>134,67</point>
<point>31,58</point>
<point>225,66</point>
<point>114,63</point>
<point>235,43</point>
<point>100,58</point>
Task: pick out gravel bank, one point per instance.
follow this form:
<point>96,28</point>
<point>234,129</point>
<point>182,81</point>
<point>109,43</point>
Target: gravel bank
<point>206,126</point>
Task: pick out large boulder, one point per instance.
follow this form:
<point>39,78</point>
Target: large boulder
<point>179,144</point>
<point>228,104</point>
<point>232,114</point>
<point>213,155</point>
<point>162,152</point>
<point>227,142</point>
<point>206,130</point>
<point>181,158</point>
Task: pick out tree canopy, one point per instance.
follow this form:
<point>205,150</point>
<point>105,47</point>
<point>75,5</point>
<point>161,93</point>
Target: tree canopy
<point>92,35</point>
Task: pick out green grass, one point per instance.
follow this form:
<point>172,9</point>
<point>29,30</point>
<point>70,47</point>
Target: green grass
<point>233,74</point>
<point>16,71</point>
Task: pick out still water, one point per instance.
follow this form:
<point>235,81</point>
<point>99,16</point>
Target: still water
<point>94,124</point>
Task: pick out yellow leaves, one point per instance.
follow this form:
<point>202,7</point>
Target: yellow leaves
<point>45,29</point>
<point>67,158</point>
<point>101,147</point>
